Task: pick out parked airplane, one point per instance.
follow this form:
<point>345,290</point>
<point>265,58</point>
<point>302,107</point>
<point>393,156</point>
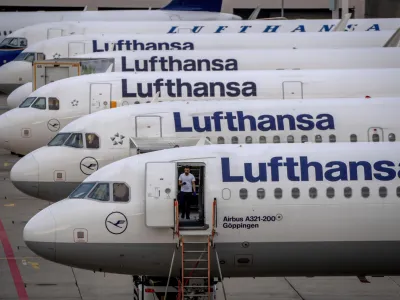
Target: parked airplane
<point>93,141</point>
<point>215,60</point>
<point>51,107</point>
<point>68,46</point>
<point>259,205</point>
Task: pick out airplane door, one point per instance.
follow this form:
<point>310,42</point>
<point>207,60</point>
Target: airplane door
<point>100,96</point>
<point>76,48</point>
<point>375,134</point>
<point>292,90</point>
<point>53,33</point>
<point>148,126</point>
<point>161,190</point>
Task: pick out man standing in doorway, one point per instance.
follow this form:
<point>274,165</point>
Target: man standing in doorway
<point>187,182</point>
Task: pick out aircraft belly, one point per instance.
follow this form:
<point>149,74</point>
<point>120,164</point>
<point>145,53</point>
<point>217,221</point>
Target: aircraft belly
<point>257,260</point>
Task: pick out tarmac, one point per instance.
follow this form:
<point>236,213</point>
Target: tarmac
<point>23,275</point>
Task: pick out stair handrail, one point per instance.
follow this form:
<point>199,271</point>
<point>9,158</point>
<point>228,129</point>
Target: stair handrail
<point>214,217</point>
<point>176,217</point>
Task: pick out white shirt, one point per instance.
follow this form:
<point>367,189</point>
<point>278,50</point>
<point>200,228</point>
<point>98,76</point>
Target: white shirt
<point>188,179</point>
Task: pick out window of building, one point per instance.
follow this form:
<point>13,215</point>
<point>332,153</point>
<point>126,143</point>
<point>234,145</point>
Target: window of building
<point>101,192</point>
<point>249,140</point>
<point>243,194</point>
<point>263,140</point>
<point>276,139</point>
<point>120,192</point>
<point>348,192</point>
<point>295,193</point>
<point>353,138</point>
<point>365,192</point>
<point>383,192</point>
<point>290,139</point>
<point>278,193</point>
<point>330,192</point>
<point>375,137</point>
<point>332,138</point>
<point>312,193</point>
<point>54,103</point>
<point>235,140</point>
<point>75,141</point>
<point>40,103</point>
<point>260,193</point>
<point>304,139</point>
<point>59,139</point>
<point>220,140</point>
<point>318,138</point>
<point>92,141</point>
<point>392,137</point>
<point>82,190</point>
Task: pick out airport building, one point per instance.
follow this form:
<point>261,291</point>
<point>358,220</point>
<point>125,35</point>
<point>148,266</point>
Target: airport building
<point>308,9</point>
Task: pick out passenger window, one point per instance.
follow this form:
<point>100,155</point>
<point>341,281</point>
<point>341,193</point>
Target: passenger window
<point>82,190</point>
<point>120,192</point>
<point>353,138</point>
<point>330,192</point>
<point>365,192</point>
<point>277,139</point>
<point>54,103</point>
<point>101,192</point>
<point>278,193</point>
<point>332,138</point>
<point>318,138</point>
<point>392,137</point>
<point>137,102</point>
<point>313,193</point>
<point>375,137</point>
<point>235,140</point>
<point>295,193</point>
<point>290,139</point>
<point>263,140</point>
<point>75,141</point>
<point>92,141</point>
<point>27,102</point>
<point>398,191</point>
<point>260,193</point>
<point>208,138</point>
<point>304,139</point>
<point>221,140</point>
<point>383,192</point>
<point>347,192</point>
<point>40,103</point>
<point>249,140</point>
<point>243,194</point>
<point>59,139</point>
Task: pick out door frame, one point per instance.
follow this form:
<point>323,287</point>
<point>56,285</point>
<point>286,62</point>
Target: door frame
<point>292,81</point>
<point>147,116</point>
<point>90,93</point>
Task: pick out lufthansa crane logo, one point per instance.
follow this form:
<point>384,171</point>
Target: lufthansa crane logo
<point>53,125</point>
<point>116,223</point>
<point>89,165</point>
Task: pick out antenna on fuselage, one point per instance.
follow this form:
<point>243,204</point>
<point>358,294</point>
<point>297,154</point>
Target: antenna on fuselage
<point>155,99</point>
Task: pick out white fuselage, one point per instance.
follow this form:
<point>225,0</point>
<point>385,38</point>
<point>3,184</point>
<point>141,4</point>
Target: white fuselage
<point>150,127</point>
<point>86,94</point>
<point>20,72</point>
<point>277,205</point>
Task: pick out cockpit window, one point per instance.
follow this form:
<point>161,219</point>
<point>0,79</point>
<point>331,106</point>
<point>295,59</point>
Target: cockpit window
<point>40,103</point>
<point>82,190</point>
<point>59,139</point>
<point>54,103</point>
<point>120,192</point>
<point>101,192</point>
<point>75,141</point>
<point>25,56</point>
<point>13,42</point>
<point>27,102</point>
<point>92,141</point>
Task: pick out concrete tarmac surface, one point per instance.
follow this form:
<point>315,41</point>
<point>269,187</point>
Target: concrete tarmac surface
<point>24,276</point>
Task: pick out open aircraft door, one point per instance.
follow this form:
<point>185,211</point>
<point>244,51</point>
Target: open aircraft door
<point>100,96</point>
<point>161,190</point>
<point>292,90</point>
<point>76,48</point>
<point>375,134</point>
<point>53,33</point>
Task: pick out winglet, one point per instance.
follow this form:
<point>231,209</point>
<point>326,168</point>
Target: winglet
<point>255,13</point>
<point>342,25</point>
<point>394,40</point>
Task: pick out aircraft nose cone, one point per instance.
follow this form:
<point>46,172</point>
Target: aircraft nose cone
<point>4,123</point>
<point>19,95</point>
<point>8,81</point>
<point>39,234</point>
<point>25,175</point>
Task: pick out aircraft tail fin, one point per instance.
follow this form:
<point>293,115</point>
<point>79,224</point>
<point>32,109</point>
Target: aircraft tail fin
<point>394,40</point>
<point>194,5</point>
